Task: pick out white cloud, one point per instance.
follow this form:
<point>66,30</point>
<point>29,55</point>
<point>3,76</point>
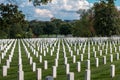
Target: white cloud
<point>118,7</point>
<point>43,13</point>
<point>63,9</point>
<point>71,4</point>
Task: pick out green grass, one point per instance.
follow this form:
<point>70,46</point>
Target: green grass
<point>100,73</point>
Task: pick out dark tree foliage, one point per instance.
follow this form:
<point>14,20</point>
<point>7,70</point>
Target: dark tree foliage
<point>53,27</point>
<point>84,27</point>
<point>49,28</point>
<point>65,29</point>
<point>57,24</point>
<point>37,27</point>
<point>106,18</point>
<point>11,20</point>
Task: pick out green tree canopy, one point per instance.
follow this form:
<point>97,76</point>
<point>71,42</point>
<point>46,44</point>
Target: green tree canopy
<point>65,28</point>
<point>11,18</point>
<point>106,18</point>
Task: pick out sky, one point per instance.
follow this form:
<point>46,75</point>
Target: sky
<point>60,9</point>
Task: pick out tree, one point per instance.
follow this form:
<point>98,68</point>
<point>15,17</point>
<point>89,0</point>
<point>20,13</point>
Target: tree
<point>106,18</point>
<point>29,34</point>
<point>57,23</point>
<point>37,27</point>
<point>49,28</point>
<point>11,18</point>
<point>65,29</point>
<point>84,27</point>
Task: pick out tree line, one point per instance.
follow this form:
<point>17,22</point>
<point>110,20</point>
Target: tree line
<point>53,27</point>
<point>103,19</point>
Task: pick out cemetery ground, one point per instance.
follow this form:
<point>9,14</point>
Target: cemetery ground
<point>35,59</point>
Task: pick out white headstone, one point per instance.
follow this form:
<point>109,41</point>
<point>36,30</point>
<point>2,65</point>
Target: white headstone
<point>95,54</point>
<point>31,60</point>
<point>8,64</point>
<point>20,75</point>
<point>20,61</point>
<point>44,53</point>
<point>45,64</point>
<point>10,58</point>
<point>57,55</point>
<point>65,60</point>
<point>0,60</point>
<point>117,56</point>
<point>88,55</point>
<point>4,71</point>
<point>40,59</point>
<point>20,67</point>
<point>112,70</point>
<point>106,51</point>
<point>71,53</point>
<point>87,74</point>
<point>93,48</point>
<point>56,62</point>
<point>77,51</point>
<point>111,58</point>
<point>54,71</point>
<point>81,57</point>
<point>88,64</point>
<point>74,59</point>
<point>97,62</point>
<point>34,66</point>
<point>67,68</point>
<point>51,53</point>
<point>100,52</point>
<point>39,74</point>
<point>115,49</point>
<point>110,50</point>
<point>36,54</point>
<point>70,76</point>
<point>98,47</point>
<point>78,66</point>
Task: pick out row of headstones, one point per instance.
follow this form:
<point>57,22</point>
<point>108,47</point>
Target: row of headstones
<point>8,61</point>
<point>88,55</point>
<point>93,39</point>
<point>4,43</point>
<point>51,52</point>
<point>96,59</point>
<point>74,58</point>
<point>70,75</point>
<point>20,66</point>
<point>4,53</point>
<point>43,44</point>
<point>84,48</point>
<point>41,50</point>
<point>72,51</point>
<point>115,49</point>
